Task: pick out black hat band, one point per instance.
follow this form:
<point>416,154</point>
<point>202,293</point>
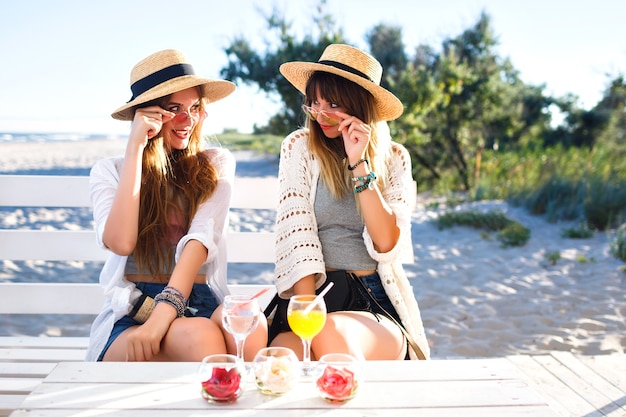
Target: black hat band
<point>141,86</point>
<point>345,67</point>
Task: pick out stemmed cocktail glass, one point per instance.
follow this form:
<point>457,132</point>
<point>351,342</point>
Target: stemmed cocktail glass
<point>306,315</point>
<point>240,317</point>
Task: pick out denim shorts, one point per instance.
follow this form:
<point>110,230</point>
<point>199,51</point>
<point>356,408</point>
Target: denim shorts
<point>373,287</point>
<point>202,303</point>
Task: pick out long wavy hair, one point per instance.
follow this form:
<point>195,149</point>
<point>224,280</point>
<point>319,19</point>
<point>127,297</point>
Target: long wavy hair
<point>330,152</point>
<point>174,183</point>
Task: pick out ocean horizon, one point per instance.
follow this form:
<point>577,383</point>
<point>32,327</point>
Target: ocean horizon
<point>29,137</point>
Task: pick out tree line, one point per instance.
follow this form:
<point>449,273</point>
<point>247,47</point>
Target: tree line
<point>462,100</point>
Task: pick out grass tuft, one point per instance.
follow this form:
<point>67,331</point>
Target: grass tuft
<point>510,232</point>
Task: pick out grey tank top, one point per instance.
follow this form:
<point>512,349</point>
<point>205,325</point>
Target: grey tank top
<point>340,229</point>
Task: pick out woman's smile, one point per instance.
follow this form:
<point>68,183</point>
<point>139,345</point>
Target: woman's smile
<point>185,104</point>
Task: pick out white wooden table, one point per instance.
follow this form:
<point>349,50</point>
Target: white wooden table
<point>476,387</point>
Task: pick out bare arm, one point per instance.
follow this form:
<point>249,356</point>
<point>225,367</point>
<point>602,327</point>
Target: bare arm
<point>121,227</point>
<point>145,342</point>
<point>305,286</point>
<point>378,216</point>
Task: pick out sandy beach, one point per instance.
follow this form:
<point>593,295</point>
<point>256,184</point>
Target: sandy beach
<point>477,298</point>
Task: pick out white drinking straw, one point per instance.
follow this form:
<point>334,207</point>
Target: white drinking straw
<point>318,298</point>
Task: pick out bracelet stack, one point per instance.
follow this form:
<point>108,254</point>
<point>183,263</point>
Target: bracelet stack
<point>173,297</point>
<point>364,182</point>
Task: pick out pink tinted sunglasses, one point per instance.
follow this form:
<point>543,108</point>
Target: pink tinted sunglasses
<point>328,118</point>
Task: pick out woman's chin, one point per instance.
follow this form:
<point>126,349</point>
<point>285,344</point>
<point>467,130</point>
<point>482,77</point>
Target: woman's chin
<point>179,144</point>
<point>330,131</point>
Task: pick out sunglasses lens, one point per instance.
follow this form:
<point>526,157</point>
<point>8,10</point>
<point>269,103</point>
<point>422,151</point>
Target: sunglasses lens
<point>183,115</point>
<point>330,119</point>
<point>180,117</point>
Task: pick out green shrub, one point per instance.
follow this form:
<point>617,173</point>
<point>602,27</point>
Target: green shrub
<point>263,143</point>
<point>432,205</point>
<point>581,258</point>
<point>552,257</point>
<point>560,183</point>
<point>493,220</point>
<point>580,231</point>
<point>558,198</point>
<point>605,204</point>
<point>510,232</point>
<point>515,234</point>
<point>618,243</point>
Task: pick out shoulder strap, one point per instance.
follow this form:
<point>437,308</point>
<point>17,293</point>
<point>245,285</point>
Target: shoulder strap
<point>418,352</point>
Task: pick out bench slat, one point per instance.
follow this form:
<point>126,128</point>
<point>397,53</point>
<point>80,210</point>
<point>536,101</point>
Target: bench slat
<point>255,193</point>
<point>28,370</point>
<point>25,342</point>
<point>44,191</point>
<point>40,296</point>
<point>50,245</point>
<point>73,191</point>
<point>18,386</point>
<point>42,355</point>
<point>80,245</point>
<point>51,298</point>
<point>8,403</point>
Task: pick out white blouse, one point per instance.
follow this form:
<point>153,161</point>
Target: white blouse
<point>208,226</point>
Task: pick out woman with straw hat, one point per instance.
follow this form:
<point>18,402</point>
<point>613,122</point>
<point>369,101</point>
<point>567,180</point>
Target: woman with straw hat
<point>162,210</point>
<point>344,213</point>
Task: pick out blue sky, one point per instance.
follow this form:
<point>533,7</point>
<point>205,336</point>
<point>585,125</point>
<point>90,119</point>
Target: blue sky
<point>66,63</point>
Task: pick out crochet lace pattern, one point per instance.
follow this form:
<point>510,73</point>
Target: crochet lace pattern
<point>298,248</point>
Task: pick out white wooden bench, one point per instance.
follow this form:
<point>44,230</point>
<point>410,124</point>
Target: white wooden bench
<point>26,360</point>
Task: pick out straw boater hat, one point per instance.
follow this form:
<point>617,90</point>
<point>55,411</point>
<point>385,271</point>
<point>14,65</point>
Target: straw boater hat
<point>350,63</point>
<point>164,73</point>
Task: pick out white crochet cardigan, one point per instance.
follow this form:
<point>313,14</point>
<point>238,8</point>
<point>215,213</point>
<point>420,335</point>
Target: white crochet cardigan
<point>298,248</point>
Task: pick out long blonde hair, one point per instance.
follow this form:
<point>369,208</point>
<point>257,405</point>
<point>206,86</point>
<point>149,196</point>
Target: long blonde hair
<point>330,152</point>
<point>173,182</point>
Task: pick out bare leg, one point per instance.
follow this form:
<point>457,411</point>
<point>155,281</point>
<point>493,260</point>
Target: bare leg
<point>117,351</point>
<point>191,339</point>
<point>292,341</point>
<point>188,339</point>
<point>357,333</point>
<point>360,334</point>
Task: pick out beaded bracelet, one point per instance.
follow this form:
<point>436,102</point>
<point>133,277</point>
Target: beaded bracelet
<point>366,182</point>
<point>171,299</point>
<point>359,162</point>
<point>176,292</point>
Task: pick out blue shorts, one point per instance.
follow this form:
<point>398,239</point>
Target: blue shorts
<point>201,298</point>
<point>373,287</point>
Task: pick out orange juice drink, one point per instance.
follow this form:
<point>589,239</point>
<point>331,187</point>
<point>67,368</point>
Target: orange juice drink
<point>307,326</point>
